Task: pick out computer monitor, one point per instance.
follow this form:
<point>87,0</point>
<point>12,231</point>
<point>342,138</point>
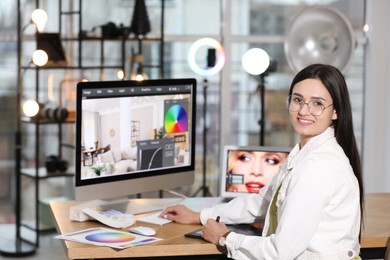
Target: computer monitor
<point>134,137</point>
<point>246,169</point>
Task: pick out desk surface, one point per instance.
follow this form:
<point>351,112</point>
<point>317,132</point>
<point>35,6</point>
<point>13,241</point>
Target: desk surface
<point>375,233</point>
<point>376,226</point>
<point>173,244</point>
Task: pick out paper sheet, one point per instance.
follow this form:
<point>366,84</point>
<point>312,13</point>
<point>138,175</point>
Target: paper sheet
<point>108,237</point>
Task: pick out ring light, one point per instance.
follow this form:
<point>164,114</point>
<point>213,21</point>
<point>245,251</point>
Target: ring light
<point>255,61</point>
<point>220,57</point>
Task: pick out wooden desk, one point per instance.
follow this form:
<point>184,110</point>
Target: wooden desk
<point>376,226</point>
<point>375,233</point>
<point>173,244</point>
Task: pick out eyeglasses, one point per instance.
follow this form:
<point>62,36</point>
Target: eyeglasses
<point>315,107</point>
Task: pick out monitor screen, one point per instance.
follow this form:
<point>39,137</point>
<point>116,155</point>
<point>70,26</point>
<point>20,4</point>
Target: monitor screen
<point>134,137</point>
<point>246,169</point>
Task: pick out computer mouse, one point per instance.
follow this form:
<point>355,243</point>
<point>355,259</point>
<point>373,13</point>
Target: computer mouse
<point>141,230</point>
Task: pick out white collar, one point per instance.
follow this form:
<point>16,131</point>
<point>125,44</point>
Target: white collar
<point>298,154</point>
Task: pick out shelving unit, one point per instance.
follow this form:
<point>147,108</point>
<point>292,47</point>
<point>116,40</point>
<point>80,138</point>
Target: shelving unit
<point>34,168</point>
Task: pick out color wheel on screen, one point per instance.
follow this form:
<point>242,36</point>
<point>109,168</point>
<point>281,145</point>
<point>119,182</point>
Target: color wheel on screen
<point>176,119</point>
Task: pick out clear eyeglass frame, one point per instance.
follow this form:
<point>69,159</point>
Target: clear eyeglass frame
<point>313,106</point>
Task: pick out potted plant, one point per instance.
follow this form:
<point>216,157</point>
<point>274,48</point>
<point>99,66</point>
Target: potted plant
<point>101,168</point>
<point>109,168</point>
<point>97,168</point>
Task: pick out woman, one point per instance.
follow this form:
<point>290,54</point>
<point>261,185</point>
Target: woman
<point>313,206</point>
<point>257,169</point>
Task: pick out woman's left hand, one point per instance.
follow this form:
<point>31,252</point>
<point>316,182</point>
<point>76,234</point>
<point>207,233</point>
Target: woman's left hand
<point>213,231</point>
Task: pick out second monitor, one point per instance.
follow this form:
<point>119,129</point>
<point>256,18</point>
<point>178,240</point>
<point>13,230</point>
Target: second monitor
<point>246,169</point>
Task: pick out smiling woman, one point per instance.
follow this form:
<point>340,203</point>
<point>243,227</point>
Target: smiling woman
<point>314,118</point>
<point>313,206</point>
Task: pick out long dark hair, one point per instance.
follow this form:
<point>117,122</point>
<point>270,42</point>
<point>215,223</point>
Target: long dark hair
<point>335,83</point>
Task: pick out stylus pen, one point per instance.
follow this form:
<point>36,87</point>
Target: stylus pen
<point>217,219</point>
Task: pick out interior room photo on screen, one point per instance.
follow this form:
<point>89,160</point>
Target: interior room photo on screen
<point>121,137</point>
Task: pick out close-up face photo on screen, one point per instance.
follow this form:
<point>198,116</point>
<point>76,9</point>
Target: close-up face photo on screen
<point>247,169</point>
<point>251,170</point>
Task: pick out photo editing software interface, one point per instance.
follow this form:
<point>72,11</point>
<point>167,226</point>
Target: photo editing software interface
<point>134,130</point>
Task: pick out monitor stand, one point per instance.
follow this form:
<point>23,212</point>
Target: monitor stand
<point>125,205</point>
<point>146,205</point>
<point>135,206</point>
<point>119,204</point>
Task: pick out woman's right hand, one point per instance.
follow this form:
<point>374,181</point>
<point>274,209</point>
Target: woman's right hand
<point>181,214</point>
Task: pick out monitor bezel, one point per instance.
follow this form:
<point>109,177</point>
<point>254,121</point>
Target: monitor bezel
<point>85,188</point>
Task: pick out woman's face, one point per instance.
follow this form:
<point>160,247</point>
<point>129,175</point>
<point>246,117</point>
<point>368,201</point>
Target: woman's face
<point>257,167</point>
<point>304,123</point>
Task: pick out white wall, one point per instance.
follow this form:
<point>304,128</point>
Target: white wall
<point>376,142</point>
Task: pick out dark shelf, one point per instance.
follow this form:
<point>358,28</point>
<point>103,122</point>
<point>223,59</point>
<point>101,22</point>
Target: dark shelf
<point>43,174</point>
<point>72,67</point>
<point>26,119</point>
<point>30,224</point>
<point>40,173</point>
<point>70,12</point>
<point>99,38</point>
<point>71,146</point>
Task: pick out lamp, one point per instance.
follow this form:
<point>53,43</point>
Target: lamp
<point>140,26</point>
<point>215,59</point>
<point>137,73</point>
<point>67,90</point>
<point>18,247</point>
<point>49,47</point>
<point>319,34</point>
<point>51,44</point>
<point>31,108</point>
<point>120,74</point>
<point>219,57</point>
<point>257,62</point>
<point>40,58</point>
<point>140,75</point>
<point>35,111</point>
<point>39,18</point>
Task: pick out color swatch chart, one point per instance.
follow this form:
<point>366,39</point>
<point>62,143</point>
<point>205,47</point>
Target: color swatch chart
<point>108,237</point>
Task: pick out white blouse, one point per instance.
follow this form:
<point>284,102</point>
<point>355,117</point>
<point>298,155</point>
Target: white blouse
<point>318,208</point>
